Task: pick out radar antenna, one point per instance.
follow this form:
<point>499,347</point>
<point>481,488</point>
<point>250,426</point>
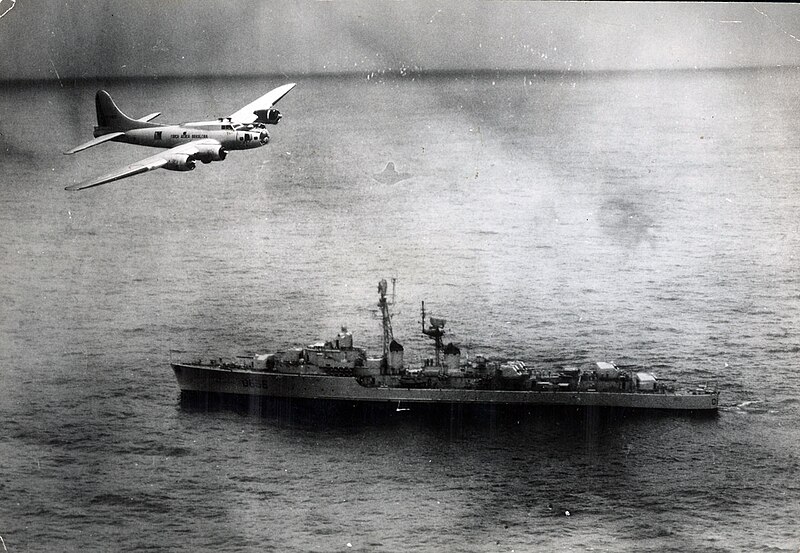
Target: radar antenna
<point>435,331</point>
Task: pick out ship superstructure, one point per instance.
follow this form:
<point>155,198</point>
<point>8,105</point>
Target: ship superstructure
<point>339,371</point>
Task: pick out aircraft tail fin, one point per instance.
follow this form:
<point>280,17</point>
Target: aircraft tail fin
<point>111,119</point>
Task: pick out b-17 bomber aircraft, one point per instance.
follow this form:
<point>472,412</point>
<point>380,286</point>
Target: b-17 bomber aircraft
<point>187,143</point>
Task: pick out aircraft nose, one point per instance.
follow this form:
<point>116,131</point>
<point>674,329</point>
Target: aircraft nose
<point>264,137</point>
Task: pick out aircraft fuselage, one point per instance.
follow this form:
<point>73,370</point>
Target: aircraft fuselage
<point>169,136</point>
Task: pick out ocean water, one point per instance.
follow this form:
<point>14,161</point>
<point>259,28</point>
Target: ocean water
<point>644,218</point>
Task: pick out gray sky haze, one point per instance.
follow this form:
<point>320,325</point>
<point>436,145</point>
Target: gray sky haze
<point>86,39</point>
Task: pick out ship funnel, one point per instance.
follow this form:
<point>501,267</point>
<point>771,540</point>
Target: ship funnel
<point>395,357</point>
<point>452,358</point>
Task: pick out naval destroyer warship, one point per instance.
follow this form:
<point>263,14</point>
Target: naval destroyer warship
<point>336,370</point>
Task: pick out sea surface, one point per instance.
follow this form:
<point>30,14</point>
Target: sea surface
<point>643,218</point>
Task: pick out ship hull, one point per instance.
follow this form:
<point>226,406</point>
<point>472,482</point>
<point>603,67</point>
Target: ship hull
<point>241,382</point>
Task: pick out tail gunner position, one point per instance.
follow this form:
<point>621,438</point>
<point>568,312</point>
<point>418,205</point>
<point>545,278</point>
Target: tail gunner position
<point>186,143</point>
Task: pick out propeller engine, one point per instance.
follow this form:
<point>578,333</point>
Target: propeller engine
<point>268,116</point>
<point>211,153</point>
<point>180,162</point>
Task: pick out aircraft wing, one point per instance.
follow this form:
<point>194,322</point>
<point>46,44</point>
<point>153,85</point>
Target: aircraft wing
<point>247,113</point>
<point>148,164</point>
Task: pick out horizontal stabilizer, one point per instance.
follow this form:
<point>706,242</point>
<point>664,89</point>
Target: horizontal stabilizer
<point>95,142</point>
<point>150,117</point>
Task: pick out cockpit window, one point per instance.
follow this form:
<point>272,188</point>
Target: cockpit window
<point>227,127</point>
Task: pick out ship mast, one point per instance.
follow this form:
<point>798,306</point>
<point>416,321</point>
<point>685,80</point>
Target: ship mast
<point>387,319</point>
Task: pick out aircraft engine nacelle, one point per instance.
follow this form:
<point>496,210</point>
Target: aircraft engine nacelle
<point>268,116</point>
<point>180,162</point>
<point>208,154</point>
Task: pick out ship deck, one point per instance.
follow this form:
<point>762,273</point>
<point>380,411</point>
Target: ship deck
<point>224,380</point>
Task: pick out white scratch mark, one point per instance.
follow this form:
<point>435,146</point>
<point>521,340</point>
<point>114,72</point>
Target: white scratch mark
<point>11,7</point>
<point>787,33</point>
<point>1,537</point>
<point>54,69</point>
